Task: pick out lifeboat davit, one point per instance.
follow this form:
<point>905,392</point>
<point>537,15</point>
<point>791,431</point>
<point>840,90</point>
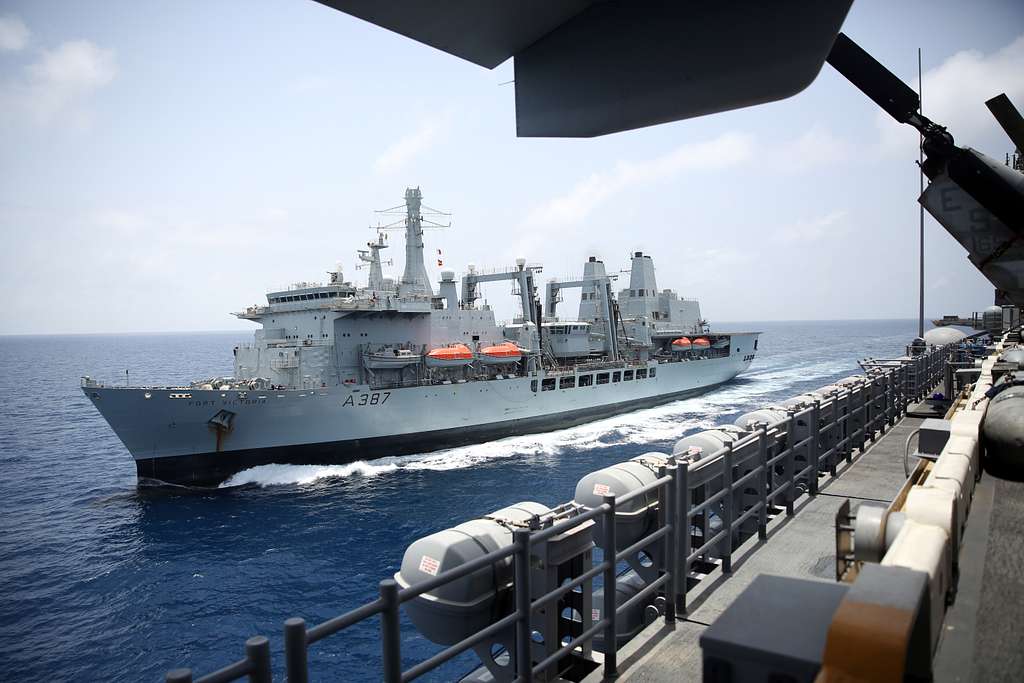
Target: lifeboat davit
<point>500,354</point>
<point>700,343</point>
<point>681,344</point>
<point>452,356</point>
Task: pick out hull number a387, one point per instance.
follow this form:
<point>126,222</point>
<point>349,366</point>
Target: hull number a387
<point>376,398</point>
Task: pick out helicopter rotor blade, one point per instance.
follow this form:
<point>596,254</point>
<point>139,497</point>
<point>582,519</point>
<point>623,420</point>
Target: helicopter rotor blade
<point>1009,118</point>
<point>875,81</point>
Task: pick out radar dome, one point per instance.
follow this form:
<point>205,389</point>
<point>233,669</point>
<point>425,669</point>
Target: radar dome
<point>940,336</point>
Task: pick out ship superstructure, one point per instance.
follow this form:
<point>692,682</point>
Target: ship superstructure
<point>339,372</point>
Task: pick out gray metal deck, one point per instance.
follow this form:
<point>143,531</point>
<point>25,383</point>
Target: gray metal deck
<point>801,546</point>
<point>983,639</point>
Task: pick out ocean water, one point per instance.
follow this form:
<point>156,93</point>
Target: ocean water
<point>101,581</point>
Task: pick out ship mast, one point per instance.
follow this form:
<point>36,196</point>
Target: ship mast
<point>414,279</point>
<point>375,281</point>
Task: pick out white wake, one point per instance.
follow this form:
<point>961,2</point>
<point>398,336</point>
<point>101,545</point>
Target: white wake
<point>658,425</point>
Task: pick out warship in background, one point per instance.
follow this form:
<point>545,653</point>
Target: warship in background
<point>339,373</point>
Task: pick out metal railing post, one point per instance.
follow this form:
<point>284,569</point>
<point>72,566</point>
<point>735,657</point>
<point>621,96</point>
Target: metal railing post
<point>523,653</point>
<point>296,655</point>
<point>257,651</point>
<point>869,412</point>
<point>728,502</point>
<point>897,389</point>
<point>847,430</point>
<point>683,516</point>
<point>813,447</point>
<point>791,461</point>
<point>764,481</point>
<point>832,442</point>
<point>889,400</point>
<point>390,636</point>
<point>178,676</point>
<point>611,668</point>
<point>671,554</point>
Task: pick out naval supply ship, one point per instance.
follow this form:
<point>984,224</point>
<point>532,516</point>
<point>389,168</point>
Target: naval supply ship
<point>339,373</point>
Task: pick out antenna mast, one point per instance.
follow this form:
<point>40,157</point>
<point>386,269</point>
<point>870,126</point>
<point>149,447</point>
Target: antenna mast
<point>414,279</point>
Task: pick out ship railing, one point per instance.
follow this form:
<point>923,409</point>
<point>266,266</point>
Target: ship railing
<point>746,483</point>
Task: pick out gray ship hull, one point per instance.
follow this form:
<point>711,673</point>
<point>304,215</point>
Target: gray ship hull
<point>213,468</point>
<point>202,437</point>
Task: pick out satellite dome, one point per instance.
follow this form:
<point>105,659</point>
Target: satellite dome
<point>940,336</point>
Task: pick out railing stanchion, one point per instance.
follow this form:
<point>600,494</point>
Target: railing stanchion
<point>814,447</point>
<point>611,668</point>
<point>872,400</point>
<point>390,637</point>
<point>764,481</point>
<point>847,427</point>
<point>728,503</point>
<point>257,651</point>
<point>671,554</point>
<point>523,653</point>
<point>791,437</point>
<point>888,399</point>
<point>296,654</point>
<point>683,528</point>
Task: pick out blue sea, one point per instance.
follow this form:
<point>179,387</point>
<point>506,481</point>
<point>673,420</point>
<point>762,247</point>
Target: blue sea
<point>101,581</point>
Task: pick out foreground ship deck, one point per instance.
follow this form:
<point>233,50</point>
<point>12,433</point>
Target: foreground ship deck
<point>791,544</point>
<point>981,638</point>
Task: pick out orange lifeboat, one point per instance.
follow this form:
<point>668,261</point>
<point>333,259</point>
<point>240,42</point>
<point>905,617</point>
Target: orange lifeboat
<point>681,344</point>
<point>700,343</point>
<point>452,356</point>
<point>500,354</point>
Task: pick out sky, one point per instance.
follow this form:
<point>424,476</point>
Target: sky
<point>163,164</point>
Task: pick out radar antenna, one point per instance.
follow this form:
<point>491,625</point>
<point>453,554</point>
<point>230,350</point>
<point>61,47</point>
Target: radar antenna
<point>370,258</point>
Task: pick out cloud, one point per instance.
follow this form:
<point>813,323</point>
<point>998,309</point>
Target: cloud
<point>59,81</point>
<point>817,147</point>
<point>588,194</point>
<point>809,230</point>
<point>13,34</point>
<point>955,93</point>
<point>426,135</point>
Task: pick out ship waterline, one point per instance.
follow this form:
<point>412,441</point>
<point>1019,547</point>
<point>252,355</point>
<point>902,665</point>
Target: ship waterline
<point>340,373</point>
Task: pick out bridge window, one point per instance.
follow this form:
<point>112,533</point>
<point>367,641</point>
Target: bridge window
<point>627,376</point>
<point>641,374</point>
<point>602,378</point>
<point>616,377</point>
<point>547,384</point>
<point>533,386</point>
<point>653,372</point>
<point>586,380</point>
<point>567,383</point>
